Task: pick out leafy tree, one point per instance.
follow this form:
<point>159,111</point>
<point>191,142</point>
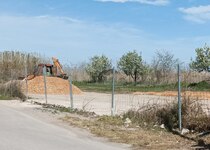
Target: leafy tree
<point>202,61</point>
<point>132,65</point>
<point>163,64</point>
<point>97,68</point>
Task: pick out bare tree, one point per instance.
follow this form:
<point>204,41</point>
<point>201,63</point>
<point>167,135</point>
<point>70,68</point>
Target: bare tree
<point>13,63</point>
<point>163,64</point>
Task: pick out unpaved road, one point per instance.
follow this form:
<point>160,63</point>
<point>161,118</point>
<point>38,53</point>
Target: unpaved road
<point>22,127</point>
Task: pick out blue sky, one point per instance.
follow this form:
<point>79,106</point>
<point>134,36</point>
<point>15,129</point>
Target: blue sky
<point>75,30</point>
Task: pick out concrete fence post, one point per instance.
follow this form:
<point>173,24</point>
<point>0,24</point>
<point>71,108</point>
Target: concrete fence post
<point>71,93</point>
<point>26,75</point>
<point>45,84</point>
<point>179,99</point>
<point>113,90</point>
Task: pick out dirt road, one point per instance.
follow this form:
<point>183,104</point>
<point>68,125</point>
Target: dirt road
<point>23,127</point>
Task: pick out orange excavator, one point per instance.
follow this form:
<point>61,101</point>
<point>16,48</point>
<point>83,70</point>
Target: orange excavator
<point>52,70</point>
<point>59,72</point>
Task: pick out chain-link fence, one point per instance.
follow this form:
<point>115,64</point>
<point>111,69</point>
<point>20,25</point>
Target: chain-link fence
<point>118,94</point>
<point>117,97</point>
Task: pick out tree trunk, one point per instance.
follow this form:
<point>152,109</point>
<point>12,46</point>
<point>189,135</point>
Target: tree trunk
<point>135,78</point>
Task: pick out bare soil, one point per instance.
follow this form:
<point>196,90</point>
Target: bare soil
<point>55,86</point>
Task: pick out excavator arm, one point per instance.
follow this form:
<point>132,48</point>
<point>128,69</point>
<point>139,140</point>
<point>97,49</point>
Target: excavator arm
<point>59,67</point>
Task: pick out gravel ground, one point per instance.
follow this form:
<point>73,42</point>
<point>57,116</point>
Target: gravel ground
<point>100,103</point>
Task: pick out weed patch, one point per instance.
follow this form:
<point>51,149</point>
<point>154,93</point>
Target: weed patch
<point>5,97</point>
<point>200,86</point>
<point>140,138</point>
<point>11,90</point>
<point>193,116</point>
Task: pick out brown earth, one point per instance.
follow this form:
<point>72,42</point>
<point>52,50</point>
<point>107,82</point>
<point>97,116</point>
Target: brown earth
<point>193,94</point>
<point>55,86</point>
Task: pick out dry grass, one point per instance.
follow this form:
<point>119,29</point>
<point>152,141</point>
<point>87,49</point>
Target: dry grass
<point>193,115</point>
<point>13,63</point>
<point>139,137</point>
<point>11,90</point>
<point>143,136</point>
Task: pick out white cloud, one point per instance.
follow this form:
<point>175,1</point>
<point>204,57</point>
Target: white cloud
<point>151,2</point>
<point>200,14</point>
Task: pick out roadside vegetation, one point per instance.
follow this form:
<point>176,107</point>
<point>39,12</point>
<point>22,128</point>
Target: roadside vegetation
<point>2,97</point>
<point>194,118</point>
<point>11,90</point>
<point>150,127</point>
<point>13,66</point>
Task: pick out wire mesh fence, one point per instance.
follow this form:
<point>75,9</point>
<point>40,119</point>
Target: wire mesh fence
<point>118,95</point>
<point>195,88</point>
<point>122,99</point>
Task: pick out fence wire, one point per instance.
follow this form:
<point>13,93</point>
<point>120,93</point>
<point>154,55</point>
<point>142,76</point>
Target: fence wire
<point>194,87</point>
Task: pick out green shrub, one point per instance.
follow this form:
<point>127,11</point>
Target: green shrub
<point>200,86</point>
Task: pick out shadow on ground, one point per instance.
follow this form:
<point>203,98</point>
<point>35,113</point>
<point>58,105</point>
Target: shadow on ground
<point>201,145</point>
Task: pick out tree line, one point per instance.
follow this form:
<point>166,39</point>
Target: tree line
<point>132,64</point>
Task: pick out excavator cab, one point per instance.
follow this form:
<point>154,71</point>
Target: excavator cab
<point>54,70</point>
<point>39,70</point>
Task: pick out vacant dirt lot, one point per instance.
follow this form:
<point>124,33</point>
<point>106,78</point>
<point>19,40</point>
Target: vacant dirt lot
<point>100,103</point>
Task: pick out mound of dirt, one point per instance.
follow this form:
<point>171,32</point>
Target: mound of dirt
<point>55,86</point>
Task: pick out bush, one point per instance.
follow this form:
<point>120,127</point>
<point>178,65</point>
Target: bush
<point>168,116</point>
<point>143,115</point>
<point>193,115</point>
<point>12,89</point>
<point>200,86</point>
